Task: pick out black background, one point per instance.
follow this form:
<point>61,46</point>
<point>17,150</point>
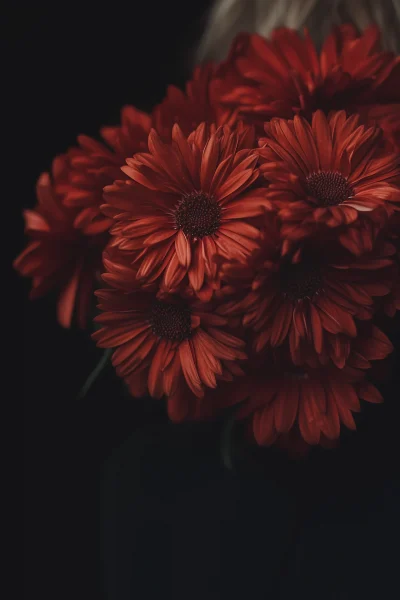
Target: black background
<point>109,471</point>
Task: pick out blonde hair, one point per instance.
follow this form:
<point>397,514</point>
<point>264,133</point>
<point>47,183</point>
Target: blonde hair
<point>227,18</point>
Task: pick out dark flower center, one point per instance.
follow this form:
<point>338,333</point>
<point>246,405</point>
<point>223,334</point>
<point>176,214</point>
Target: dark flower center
<point>295,373</point>
<point>198,215</point>
<point>328,188</point>
<point>299,281</point>
<point>171,321</point>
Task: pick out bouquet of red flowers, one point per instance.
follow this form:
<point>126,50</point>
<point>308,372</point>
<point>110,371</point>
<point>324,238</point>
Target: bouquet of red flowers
<point>243,239</point>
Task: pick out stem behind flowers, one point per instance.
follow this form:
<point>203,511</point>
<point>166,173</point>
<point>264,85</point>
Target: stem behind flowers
<point>104,360</point>
<point>227,435</point>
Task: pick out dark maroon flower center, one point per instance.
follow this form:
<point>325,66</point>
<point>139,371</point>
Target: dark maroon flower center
<point>329,188</point>
<point>300,281</point>
<point>171,321</point>
<point>295,373</point>
<point>198,215</point>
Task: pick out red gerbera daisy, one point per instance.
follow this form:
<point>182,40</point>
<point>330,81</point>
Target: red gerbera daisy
<point>161,340</point>
<point>93,165</point>
<point>286,75</point>
<point>59,256</point>
<point>191,108</point>
<point>280,398</point>
<point>186,203</point>
<point>329,175</point>
<point>308,299</point>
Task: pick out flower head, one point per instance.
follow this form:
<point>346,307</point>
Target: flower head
<point>161,341</point>
<point>280,398</point>
<point>309,299</point>
<point>326,176</point>
<point>93,165</point>
<point>197,104</point>
<point>59,255</point>
<point>187,202</point>
<point>286,75</point>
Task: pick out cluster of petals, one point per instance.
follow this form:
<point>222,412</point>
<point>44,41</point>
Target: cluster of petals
<point>282,403</point>
<point>311,299</point>
<point>59,256</point>
<point>197,104</point>
<point>93,164</point>
<point>316,402</point>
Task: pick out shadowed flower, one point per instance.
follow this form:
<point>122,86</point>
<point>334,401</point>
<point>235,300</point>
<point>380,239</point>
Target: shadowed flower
<point>187,202</point>
<point>286,75</point>
<point>196,105</point>
<point>307,299</point>
<point>93,165</point>
<point>280,398</point>
<point>328,175</point>
<point>161,341</point>
<point>58,255</point>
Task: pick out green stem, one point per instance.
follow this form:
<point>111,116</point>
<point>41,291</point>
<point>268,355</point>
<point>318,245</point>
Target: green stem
<point>226,442</point>
<point>95,373</point>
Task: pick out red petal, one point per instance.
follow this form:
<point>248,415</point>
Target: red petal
<point>66,300</point>
<point>183,251</point>
<point>189,368</point>
<point>322,136</point>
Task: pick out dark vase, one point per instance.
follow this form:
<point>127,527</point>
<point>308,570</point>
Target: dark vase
<point>176,523</point>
